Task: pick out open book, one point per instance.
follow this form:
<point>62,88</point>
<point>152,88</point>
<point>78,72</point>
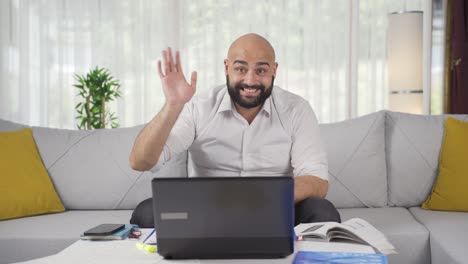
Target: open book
<point>354,230</point>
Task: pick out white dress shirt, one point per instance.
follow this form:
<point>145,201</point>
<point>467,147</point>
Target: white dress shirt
<point>282,140</point>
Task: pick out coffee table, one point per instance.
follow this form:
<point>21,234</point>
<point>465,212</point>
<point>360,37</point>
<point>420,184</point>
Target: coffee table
<point>125,251</point>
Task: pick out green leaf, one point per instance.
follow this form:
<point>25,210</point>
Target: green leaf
<point>96,84</point>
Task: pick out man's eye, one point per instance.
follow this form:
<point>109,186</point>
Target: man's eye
<point>261,71</point>
<point>241,70</point>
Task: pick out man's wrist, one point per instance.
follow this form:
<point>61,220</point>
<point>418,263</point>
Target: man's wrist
<point>173,107</point>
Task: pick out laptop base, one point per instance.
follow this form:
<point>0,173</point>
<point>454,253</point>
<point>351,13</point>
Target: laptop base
<point>225,248</point>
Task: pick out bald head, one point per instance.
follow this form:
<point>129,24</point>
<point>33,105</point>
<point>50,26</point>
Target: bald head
<point>253,47</point>
<point>250,70</point>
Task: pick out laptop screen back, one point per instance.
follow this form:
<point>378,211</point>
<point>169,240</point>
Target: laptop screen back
<point>223,210</point>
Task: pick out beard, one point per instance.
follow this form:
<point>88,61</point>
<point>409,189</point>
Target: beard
<point>234,92</point>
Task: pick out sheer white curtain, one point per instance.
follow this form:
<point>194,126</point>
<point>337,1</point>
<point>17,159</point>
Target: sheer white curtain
<point>331,52</point>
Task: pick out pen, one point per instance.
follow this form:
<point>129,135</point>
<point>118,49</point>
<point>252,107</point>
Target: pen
<point>152,232</point>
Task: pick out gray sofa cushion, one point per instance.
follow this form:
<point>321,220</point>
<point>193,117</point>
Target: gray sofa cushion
<point>356,161</point>
<point>38,236</point>
<point>91,170</point>
<point>449,234</point>
<point>412,145</point>
<point>410,238</point>
<point>10,126</point>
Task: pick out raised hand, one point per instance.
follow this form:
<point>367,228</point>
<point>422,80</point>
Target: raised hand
<point>176,88</point>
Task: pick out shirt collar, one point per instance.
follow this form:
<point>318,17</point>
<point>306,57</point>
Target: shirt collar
<point>228,105</point>
<point>267,106</point>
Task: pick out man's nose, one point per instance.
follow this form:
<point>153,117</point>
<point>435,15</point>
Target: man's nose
<point>250,78</point>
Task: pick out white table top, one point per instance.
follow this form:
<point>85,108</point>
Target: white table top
<point>125,251</point>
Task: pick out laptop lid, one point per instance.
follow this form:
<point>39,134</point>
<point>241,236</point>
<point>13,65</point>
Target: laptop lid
<point>224,217</point>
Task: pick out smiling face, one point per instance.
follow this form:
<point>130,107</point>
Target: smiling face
<point>250,71</point>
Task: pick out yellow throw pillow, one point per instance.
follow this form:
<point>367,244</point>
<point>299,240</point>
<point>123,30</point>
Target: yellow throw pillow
<point>25,186</point>
<point>450,191</point>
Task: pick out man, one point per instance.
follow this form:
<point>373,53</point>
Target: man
<point>249,128</point>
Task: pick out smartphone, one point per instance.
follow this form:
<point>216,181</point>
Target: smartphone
<point>103,229</point>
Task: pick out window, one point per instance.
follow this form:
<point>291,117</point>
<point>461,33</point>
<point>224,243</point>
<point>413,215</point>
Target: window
<point>331,52</point>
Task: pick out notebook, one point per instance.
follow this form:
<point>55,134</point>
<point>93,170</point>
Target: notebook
<point>224,217</point>
<point>316,257</point>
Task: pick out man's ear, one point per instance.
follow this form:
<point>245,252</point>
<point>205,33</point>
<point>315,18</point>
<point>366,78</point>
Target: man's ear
<point>275,68</point>
<point>226,66</point>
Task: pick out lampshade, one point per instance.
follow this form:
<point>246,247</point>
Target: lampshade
<point>405,61</point>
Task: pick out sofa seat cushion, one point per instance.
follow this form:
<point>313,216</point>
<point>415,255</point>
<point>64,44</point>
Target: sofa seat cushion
<point>48,234</point>
<point>410,238</point>
<point>448,234</point>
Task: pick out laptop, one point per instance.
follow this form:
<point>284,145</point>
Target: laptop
<point>224,217</point>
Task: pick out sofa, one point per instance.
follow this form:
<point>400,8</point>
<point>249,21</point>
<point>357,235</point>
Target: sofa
<point>381,168</point>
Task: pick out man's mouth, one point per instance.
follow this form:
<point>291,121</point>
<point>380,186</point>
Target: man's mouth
<point>250,91</point>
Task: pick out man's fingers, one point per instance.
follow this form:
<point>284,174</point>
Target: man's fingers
<point>167,67</point>
<point>171,60</point>
<point>178,66</point>
<point>171,65</point>
<point>161,75</point>
<point>193,80</point>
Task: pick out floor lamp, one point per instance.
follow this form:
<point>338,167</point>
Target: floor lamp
<point>405,61</point>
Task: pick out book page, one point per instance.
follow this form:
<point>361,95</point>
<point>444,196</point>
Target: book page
<point>314,230</point>
<point>364,231</point>
<point>337,235</point>
<point>354,230</point>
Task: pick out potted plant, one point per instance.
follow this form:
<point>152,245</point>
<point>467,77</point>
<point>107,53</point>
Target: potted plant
<point>96,89</point>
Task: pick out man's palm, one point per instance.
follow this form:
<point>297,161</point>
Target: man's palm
<point>176,88</point>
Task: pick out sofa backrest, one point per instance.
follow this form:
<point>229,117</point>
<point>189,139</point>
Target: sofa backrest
<point>377,160</point>
<point>412,149</point>
<point>6,125</point>
<point>91,169</point>
<point>356,161</point>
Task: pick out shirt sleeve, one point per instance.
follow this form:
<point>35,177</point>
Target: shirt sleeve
<point>180,138</point>
<point>308,156</point>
